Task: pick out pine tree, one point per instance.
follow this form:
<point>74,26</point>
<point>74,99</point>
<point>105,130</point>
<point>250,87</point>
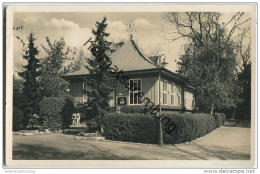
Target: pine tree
<point>30,75</point>
<point>98,67</point>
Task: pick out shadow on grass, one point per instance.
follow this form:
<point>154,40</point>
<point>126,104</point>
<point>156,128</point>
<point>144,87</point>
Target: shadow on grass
<point>39,152</point>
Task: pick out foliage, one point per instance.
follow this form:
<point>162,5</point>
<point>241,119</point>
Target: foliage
<point>86,111</point>
<point>51,112</point>
<point>17,119</point>
<point>56,113</point>
<point>18,97</point>
<point>244,108</point>
<point>30,74</point>
<point>79,62</point>
<point>98,67</point>
<point>91,125</point>
<point>53,66</point>
<point>133,109</point>
<point>67,111</point>
<point>209,61</point>
<point>183,127</point>
<point>130,127</point>
<point>218,118</point>
<point>189,127</point>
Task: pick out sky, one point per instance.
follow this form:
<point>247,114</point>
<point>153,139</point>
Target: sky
<point>152,32</point>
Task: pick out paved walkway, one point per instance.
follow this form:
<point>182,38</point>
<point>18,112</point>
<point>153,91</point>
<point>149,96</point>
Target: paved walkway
<point>225,143</point>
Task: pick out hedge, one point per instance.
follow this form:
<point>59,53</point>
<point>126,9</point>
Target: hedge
<point>56,113</point>
<point>67,111</point>
<point>220,118</point>
<point>182,127</point>
<point>223,118</point>
<point>189,127</point>
<point>130,127</point>
<point>133,109</point>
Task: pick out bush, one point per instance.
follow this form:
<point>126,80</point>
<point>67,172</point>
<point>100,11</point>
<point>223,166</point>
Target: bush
<point>223,118</point>
<point>56,113</point>
<point>87,112</point>
<point>51,112</point>
<point>133,109</point>
<point>17,119</point>
<point>177,128</point>
<point>67,111</point>
<point>188,127</point>
<point>91,125</point>
<point>218,119</point>
<point>130,127</point>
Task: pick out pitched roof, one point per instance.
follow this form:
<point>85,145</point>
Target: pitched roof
<point>127,58</point>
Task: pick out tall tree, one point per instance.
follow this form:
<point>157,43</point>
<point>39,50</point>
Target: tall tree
<point>209,61</point>
<point>30,75</point>
<point>98,66</point>
<point>244,74</point>
<point>53,66</point>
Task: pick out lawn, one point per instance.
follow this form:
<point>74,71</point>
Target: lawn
<point>229,142</point>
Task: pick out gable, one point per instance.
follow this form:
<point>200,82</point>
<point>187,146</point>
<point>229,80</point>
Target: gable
<point>129,58</point>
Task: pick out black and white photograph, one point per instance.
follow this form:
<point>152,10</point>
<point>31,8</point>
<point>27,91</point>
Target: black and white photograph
<point>130,85</point>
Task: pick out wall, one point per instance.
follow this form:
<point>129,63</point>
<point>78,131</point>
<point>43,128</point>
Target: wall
<point>177,90</point>
<point>76,90</point>
<point>189,98</point>
<point>149,87</point>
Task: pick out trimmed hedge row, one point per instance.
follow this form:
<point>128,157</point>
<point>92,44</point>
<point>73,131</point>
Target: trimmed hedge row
<point>220,118</point>
<point>189,127</point>
<point>144,128</point>
<point>130,127</point>
<point>133,109</point>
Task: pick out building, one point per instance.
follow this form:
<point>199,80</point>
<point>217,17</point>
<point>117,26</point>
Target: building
<point>174,92</point>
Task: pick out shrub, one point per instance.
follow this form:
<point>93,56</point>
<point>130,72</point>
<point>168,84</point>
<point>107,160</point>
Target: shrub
<point>218,119</point>
<point>67,111</point>
<point>17,119</point>
<point>133,109</point>
<point>91,125</point>
<point>56,112</point>
<point>87,112</point>
<point>181,127</point>
<point>223,118</point>
<point>51,112</point>
<point>130,127</point>
<point>188,127</point>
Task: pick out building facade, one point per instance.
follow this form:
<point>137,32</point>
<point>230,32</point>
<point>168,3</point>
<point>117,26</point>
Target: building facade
<point>160,85</point>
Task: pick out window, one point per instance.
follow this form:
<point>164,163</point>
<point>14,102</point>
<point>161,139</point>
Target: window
<point>85,89</point>
<point>164,92</point>
<point>172,94</point>
<point>134,92</point>
<point>178,95</point>
<point>189,100</point>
